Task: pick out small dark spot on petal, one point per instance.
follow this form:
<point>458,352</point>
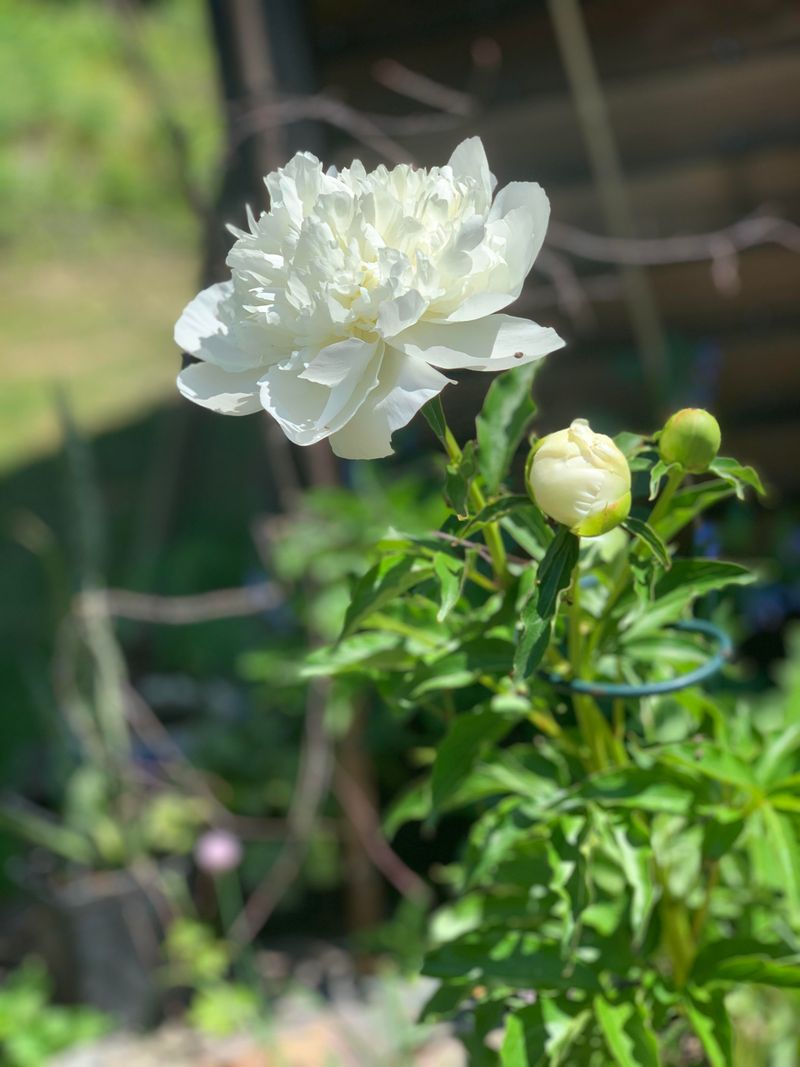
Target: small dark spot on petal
<point>519,355</point>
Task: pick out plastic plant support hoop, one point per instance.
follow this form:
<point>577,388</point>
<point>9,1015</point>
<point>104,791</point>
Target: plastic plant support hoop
<point>715,662</point>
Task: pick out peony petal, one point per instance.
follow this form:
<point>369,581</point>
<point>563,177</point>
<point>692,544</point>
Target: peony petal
<point>207,329</point>
<point>469,161</point>
<point>520,213</point>
<point>199,318</point>
<point>495,343</point>
<point>226,392</point>
<point>332,364</point>
<point>398,314</point>
<point>405,385</point>
<point>530,198</point>
<point>308,411</point>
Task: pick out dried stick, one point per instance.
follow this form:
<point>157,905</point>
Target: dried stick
<point>180,610</point>
<point>313,780</point>
<point>366,823</point>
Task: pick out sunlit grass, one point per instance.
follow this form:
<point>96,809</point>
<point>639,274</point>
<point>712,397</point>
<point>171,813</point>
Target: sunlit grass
<point>98,325</point>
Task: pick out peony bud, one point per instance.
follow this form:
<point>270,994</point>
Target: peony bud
<point>690,438</point>
<point>581,479</point>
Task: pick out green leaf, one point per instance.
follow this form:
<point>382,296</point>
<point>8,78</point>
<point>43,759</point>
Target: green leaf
<point>533,641</point>
<point>555,570</point>
<point>709,1018</point>
<point>504,418</point>
<point>498,509</point>
<point>520,960</point>
<point>434,414</point>
<point>650,539</point>
<point>691,501</point>
<point>736,475</point>
<point>524,1038</point>
<point>388,579</point>
<point>636,861</point>
<point>555,573</point>
<point>636,788</point>
<point>459,478</point>
<point>686,580</point>
<point>450,574</point>
<point>542,1033</point>
<point>413,805</point>
<point>737,960</point>
<point>627,1032</point>
<point>707,760</point>
<point>630,443</point>
<point>783,841</point>
<point>469,736</point>
<point>363,651</point>
<point>530,530</point>
<point>659,471</point>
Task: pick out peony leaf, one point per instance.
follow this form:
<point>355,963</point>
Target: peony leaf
<point>740,477</point>
<point>389,578</point>
<point>469,736</point>
<point>501,425</point>
<point>627,1032</point>
<point>650,539</point>
<point>709,1018</point>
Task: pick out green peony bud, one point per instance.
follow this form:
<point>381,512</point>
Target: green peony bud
<point>690,438</point>
<point>581,479</point>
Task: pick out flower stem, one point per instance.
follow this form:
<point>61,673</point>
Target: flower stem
<point>621,584</point>
<point>592,725</point>
<point>491,531</point>
<point>674,479</point>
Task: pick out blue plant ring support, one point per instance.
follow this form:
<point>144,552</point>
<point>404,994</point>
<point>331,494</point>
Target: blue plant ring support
<point>713,664</point>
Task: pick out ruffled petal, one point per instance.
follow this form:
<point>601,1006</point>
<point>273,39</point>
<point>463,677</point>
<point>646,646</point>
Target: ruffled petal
<point>310,410</point>
<point>495,343</point>
<point>469,161</point>
<point>208,329</point>
<point>518,217</point>
<point>405,385</point>
<point>226,392</point>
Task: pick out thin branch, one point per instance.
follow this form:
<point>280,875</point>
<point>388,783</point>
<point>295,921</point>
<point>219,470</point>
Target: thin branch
<point>424,90</point>
<point>181,610</point>
<point>313,781</point>
<point>366,823</point>
<point>749,232</point>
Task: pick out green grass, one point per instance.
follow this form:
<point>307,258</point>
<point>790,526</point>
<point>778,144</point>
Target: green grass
<point>100,250</point>
<point>98,325</point>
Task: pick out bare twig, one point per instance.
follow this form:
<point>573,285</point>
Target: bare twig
<point>313,780</point>
<point>366,823</point>
<point>424,90</point>
<point>747,233</point>
<point>180,610</point>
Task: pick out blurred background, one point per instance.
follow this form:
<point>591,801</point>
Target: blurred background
<point>192,838</point>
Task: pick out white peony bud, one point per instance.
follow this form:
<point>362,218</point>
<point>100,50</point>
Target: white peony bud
<point>581,479</point>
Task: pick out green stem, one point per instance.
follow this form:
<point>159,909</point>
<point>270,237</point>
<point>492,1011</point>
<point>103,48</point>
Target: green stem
<point>619,587</point>
<point>491,531</point>
<point>674,479</point>
<point>591,723</point>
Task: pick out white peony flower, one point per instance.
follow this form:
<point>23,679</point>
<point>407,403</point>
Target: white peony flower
<point>581,479</point>
<point>355,290</point>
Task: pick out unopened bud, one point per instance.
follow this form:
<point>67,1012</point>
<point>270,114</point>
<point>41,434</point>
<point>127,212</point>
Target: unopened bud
<point>581,479</point>
<point>691,438</point>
